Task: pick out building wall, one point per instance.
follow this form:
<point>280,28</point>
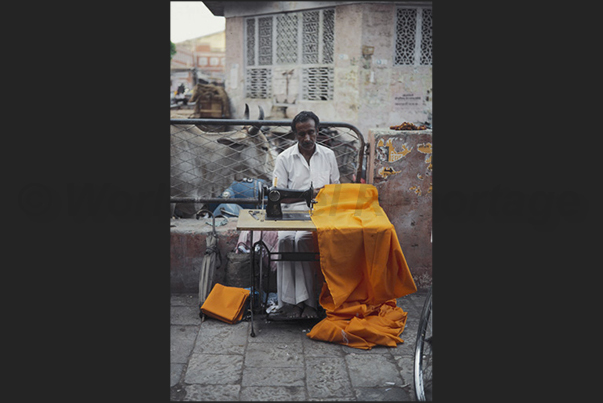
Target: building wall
<point>235,67</point>
<point>403,177</point>
<point>368,89</point>
<point>381,82</point>
<point>216,41</point>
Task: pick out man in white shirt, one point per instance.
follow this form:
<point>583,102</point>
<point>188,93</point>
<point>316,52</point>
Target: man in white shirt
<point>302,164</point>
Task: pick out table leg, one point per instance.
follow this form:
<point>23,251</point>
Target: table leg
<point>252,288</point>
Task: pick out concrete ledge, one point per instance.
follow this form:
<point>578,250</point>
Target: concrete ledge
<point>187,249</point>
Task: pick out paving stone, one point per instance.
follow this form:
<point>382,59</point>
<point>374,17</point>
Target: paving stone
<point>254,376</point>
<point>409,335</point>
<point>214,369</point>
<point>407,348</point>
<point>278,332</point>
<point>274,355</point>
<point>184,315</point>
<point>184,300</point>
<point>216,337</point>
<point>375,350</point>
<point>387,394</point>
<point>405,366</point>
<point>197,393</point>
<point>182,340</point>
<point>175,373</point>
<point>273,393</point>
<point>216,361</point>
<point>412,303</point>
<point>372,370</point>
<point>319,348</point>
<point>327,377</point>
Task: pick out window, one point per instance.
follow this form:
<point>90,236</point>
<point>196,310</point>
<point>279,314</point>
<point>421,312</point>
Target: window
<point>258,83</point>
<point>317,84</point>
<point>265,41</point>
<point>413,37</point>
<point>286,31</point>
<point>300,41</point>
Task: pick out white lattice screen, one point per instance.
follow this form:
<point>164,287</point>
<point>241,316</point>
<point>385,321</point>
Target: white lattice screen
<point>286,33</point>
<point>413,36</point>
<point>300,41</point>
<point>317,83</point>
<point>250,42</point>
<point>310,36</point>
<point>328,36</point>
<point>426,37</point>
<point>265,41</point>
<point>258,83</point>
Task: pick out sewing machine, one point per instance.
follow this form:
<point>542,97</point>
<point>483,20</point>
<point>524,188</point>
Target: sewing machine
<point>276,195</point>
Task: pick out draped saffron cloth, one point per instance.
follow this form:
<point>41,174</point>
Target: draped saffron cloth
<point>363,266</point>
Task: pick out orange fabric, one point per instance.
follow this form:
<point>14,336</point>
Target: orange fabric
<point>225,303</point>
<point>363,266</point>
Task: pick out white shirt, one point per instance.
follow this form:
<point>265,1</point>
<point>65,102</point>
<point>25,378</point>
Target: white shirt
<point>292,171</point>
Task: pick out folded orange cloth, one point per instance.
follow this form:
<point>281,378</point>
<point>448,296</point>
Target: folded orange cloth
<point>225,303</point>
<point>363,266</point>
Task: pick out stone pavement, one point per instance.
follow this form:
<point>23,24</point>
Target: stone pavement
<point>217,361</point>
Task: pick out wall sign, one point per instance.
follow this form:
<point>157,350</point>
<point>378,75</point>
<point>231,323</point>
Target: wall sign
<point>408,100</point>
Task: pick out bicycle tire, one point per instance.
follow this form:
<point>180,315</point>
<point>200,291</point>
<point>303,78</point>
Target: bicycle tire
<point>423,352</point>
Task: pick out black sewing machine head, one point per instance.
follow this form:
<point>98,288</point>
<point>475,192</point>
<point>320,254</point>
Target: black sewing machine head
<point>277,195</point>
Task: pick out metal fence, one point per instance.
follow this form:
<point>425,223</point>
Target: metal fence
<point>228,160</point>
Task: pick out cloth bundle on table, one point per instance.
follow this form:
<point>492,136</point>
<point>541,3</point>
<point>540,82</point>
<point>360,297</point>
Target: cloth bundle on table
<point>363,266</point>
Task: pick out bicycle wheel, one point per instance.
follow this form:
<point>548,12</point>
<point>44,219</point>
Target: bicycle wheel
<point>423,354</point>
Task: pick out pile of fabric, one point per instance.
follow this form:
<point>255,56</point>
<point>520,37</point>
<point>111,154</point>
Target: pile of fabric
<point>363,266</point>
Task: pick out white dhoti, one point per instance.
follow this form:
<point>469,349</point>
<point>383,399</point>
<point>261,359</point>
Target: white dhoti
<point>296,281</point>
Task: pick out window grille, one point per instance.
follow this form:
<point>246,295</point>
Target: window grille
<point>302,41</point>
<point>286,44</point>
<point>405,35</point>
<point>426,37</point>
<point>251,42</point>
<point>265,41</point>
<point>310,37</point>
<point>317,83</point>
<point>413,36</point>
<point>259,83</point>
<point>328,36</point>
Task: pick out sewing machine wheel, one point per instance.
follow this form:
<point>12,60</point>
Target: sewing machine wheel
<point>274,195</point>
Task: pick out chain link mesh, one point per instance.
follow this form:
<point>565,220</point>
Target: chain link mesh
<point>206,164</point>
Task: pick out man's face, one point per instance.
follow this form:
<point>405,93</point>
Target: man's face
<point>305,133</point>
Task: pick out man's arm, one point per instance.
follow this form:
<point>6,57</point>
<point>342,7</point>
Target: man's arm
<point>333,172</point>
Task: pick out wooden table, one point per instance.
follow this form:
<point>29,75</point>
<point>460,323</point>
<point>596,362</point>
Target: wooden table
<point>247,222</point>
